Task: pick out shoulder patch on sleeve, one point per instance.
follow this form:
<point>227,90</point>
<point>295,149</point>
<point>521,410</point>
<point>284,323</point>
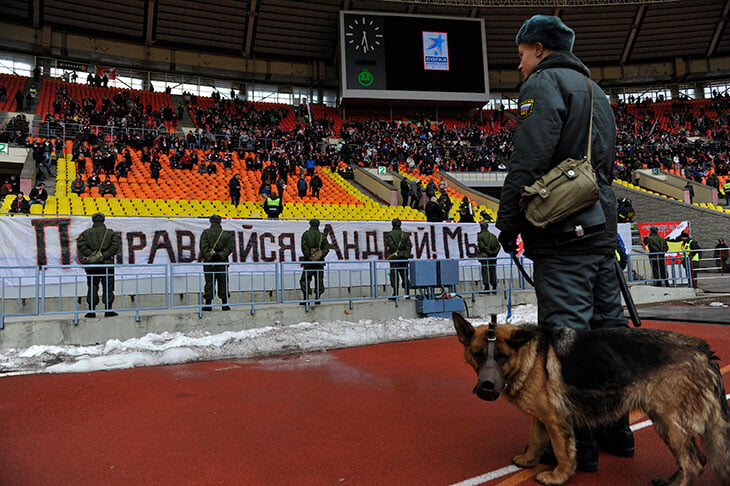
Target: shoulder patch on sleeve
<point>526,107</point>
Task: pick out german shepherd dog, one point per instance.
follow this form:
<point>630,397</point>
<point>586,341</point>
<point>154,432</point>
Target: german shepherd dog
<point>562,377</point>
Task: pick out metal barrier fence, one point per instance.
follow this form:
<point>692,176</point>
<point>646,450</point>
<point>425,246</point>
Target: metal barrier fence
<point>64,290</point>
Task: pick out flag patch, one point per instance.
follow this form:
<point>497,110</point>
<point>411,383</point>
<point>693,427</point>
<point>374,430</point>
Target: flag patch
<point>526,108</point>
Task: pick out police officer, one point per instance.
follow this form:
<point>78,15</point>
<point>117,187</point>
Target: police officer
<point>99,245</point>
<point>576,283</point>
<point>726,190</point>
<point>690,248</point>
<point>315,248</point>
<point>216,245</point>
<point>488,250</point>
<point>398,247</point>
<point>657,247</point>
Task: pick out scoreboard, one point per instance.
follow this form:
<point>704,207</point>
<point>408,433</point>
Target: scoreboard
<point>386,56</point>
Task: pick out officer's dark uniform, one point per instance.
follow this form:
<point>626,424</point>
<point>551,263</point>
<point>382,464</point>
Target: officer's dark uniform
<point>215,246</point>
<point>576,283</point>
<point>398,247</point>
<point>656,245</point>
<point>99,238</point>
<point>312,240</point>
<point>488,250</point>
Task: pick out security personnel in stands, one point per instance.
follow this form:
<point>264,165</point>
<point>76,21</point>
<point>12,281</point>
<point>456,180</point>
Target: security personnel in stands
<point>99,245</point>
<point>690,248</point>
<point>726,189</point>
<point>216,244</point>
<point>488,250</point>
<point>314,248</point>
<point>273,206</point>
<point>398,248</point>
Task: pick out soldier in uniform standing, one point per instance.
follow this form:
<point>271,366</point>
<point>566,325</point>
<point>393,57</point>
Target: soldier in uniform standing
<point>99,245</point>
<point>398,247</point>
<point>488,251</point>
<point>657,247</point>
<point>315,248</point>
<point>216,244</point>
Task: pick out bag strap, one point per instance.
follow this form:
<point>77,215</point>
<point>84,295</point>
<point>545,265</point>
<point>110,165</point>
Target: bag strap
<point>101,245</point>
<point>402,240</point>
<point>321,237</point>
<point>217,240</point>
<point>590,124</point>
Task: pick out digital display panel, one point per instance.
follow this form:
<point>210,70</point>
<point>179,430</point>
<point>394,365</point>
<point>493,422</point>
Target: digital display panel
<point>412,57</point>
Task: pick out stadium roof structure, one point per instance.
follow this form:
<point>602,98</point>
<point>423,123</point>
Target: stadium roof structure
<point>607,32</point>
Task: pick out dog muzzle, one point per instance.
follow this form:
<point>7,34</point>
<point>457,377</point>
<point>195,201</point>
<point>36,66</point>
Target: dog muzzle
<point>490,380</point>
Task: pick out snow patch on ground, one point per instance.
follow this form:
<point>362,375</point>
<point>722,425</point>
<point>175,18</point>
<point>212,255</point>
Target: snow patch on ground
<point>174,348</point>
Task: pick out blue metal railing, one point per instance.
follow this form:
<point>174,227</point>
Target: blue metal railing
<point>62,290</point>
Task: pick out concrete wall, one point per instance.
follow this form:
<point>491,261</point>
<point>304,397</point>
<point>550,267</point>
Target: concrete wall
<point>53,330</point>
<point>384,191</point>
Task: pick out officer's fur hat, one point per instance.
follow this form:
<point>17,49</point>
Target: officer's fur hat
<point>548,30</point>
<point>396,223</point>
<point>653,230</point>
<point>484,225</point>
<point>215,219</point>
<point>314,223</point>
<point>98,218</point>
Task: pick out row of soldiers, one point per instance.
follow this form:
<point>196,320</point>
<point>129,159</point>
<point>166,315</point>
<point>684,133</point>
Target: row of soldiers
<point>99,245</point>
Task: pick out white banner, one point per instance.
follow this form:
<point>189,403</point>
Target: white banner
<point>28,241</point>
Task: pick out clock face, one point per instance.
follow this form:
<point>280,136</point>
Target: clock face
<point>363,35</point>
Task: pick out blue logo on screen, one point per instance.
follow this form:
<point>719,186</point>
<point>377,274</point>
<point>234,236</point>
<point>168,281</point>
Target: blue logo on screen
<point>435,51</point>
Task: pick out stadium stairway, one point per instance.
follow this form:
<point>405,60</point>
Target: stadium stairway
<point>186,120</point>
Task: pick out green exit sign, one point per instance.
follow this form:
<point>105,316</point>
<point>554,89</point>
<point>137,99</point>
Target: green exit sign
<point>381,169</point>
<point>4,148</point>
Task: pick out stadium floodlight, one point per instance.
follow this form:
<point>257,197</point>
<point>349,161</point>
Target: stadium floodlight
<point>530,3</point>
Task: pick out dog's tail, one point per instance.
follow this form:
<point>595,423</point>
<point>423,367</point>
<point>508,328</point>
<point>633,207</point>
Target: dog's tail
<point>716,437</point>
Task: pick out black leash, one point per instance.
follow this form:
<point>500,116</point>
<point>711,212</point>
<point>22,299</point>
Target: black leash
<point>522,269</point>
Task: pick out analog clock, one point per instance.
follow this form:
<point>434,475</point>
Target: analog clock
<point>363,35</point>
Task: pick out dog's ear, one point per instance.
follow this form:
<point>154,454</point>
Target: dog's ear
<point>519,338</point>
<point>464,329</point>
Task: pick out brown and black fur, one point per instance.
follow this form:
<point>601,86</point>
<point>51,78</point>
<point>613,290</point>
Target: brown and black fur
<point>562,377</point>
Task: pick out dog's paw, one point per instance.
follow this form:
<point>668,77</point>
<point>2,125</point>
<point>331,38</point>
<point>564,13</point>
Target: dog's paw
<point>550,478</point>
<point>521,460</point>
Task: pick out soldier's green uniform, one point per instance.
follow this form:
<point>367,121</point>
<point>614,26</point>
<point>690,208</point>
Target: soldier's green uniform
<point>488,250</point>
<point>216,244</point>
<point>99,238</point>
<point>398,247</point>
<point>312,240</point>
<point>656,245</point>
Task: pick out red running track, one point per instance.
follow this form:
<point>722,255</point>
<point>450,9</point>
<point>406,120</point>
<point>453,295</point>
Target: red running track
<point>399,413</point>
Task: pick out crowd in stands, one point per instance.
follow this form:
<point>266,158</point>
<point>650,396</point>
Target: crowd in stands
<point>283,142</point>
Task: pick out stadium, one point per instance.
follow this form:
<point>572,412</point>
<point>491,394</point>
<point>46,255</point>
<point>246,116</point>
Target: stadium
<point>233,233</point>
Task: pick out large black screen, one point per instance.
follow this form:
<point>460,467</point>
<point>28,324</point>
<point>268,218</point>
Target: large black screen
<point>407,57</point>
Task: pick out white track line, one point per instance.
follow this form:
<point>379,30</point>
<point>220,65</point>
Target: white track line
<point>496,474</point>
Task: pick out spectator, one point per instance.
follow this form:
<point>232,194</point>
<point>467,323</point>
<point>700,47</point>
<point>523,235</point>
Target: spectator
<point>19,100</point>
<point>202,167</point>
<point>310,166</point>
<point>690,191</point>
<point>107,187</point>
<point>78,186</point>
<point>155,168</point>
<point>722,256</point>
<point>466,211</point>
<point>405,191</point>
<point>93,180</point>
<point>216,245</point>
<point>234,188</point>
<point>316,185</point>
<point>38,195</point>
<point>302,186</point>
<point>20,205</point>
<point>434,213</point>
<point>97,246</point>
<point>314,249</point>
<point>5,189</point>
